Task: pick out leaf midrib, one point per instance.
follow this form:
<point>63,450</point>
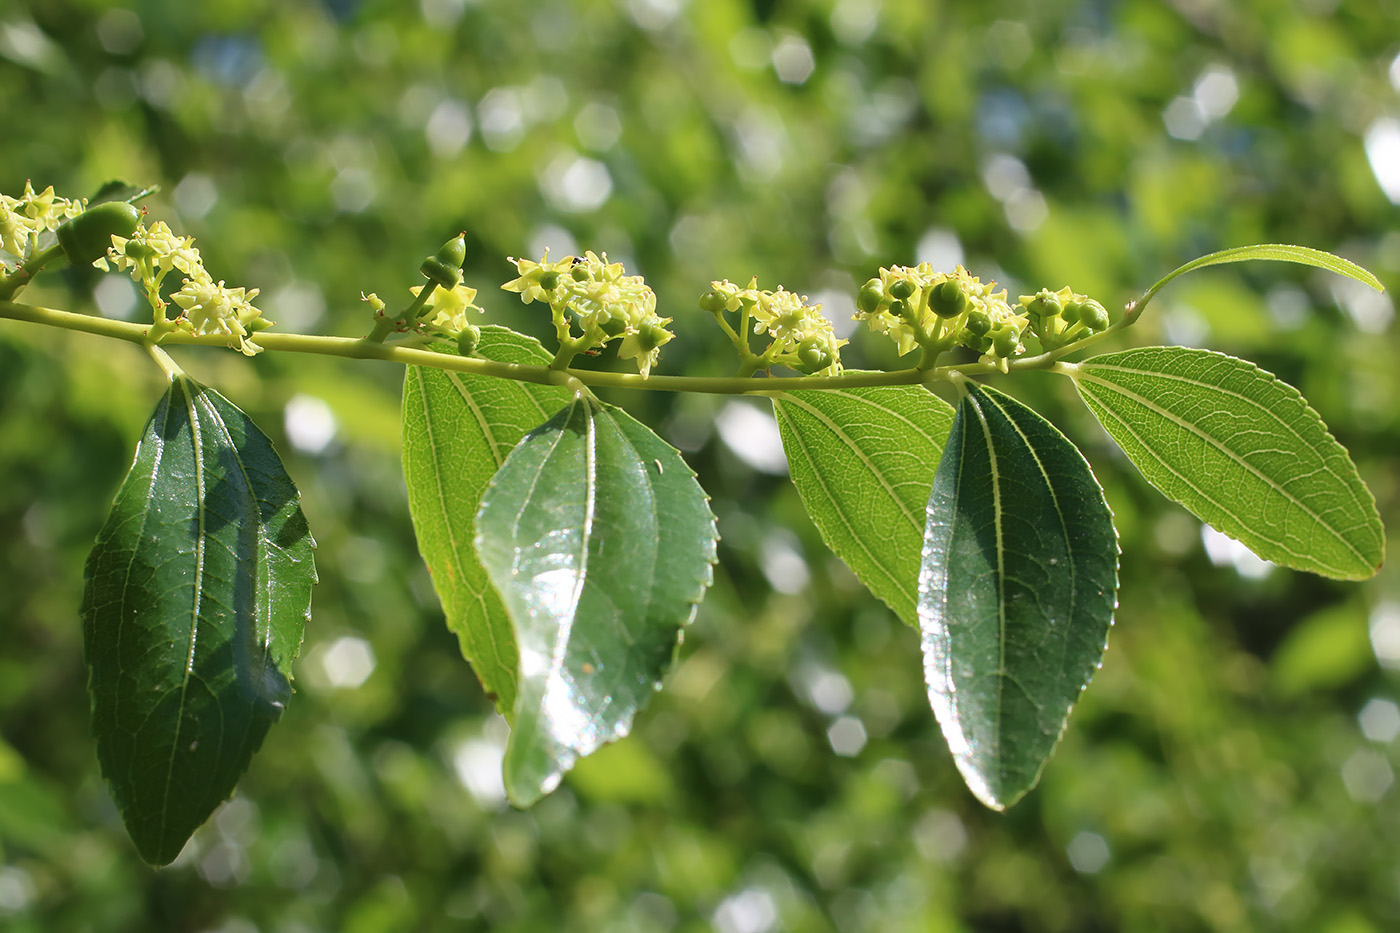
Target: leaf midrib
<point>1211,441</point>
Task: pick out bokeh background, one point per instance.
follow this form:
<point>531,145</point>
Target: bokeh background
<point>1231,767</point>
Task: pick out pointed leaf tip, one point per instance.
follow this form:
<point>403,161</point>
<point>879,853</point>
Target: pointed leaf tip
<point>197,594</point>
<point>1197,423</point>
<point>1017,591</point>
<point>601,544</point>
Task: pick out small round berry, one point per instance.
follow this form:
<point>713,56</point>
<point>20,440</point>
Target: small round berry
<point>580,272</point>
<point>1094,315</point>
<point>978,322</point>
<point>713,302</point>
<point>1004,343</point>
<point>813,355</point>
<point>901,288</point>
<point>549,280</point>
<point>871,294</point>
<point>947,299</point>
<point>1071,311</point>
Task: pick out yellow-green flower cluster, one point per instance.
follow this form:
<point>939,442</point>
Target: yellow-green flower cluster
<point>800,336</point>
<point>22,219</point>
<point>936,311</point>
<point>206,307</point>
<point>1061,317</point>
<point>446,311</point>
<point>596,297</point>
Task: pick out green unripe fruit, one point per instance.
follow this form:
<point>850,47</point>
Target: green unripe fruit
<point>614,326</point>
<point>87,237</point>
<point>900,308</point>
<point>1045,304</point>
<point>441,275</point>
<point>467,340</point>
<point>579,272</point>
<point>813,355</point>
<point>713,302</point>
<point>453,252</point>
<point>947,299</point>
<point>871,294</point>
<point>1093,315</point>
<point>444,269</point>
<point>549,280</point>
<point>1004,343</point>
<point>901,288</point>
<point>1071,311</point>
<point>978,322</point>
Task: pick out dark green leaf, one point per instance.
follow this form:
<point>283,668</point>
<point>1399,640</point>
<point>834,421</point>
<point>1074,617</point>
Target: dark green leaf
<point>198,591</point>
<point>600,542</point>
<point>1242,450</point>
<point>1017,591</point>
<point>863,461</point>
<point>457,431</point>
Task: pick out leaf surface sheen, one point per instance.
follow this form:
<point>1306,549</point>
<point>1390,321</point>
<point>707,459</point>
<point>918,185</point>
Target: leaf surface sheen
<point>863,460</point>
<point>601,544</point>
<point>457,431</point>
<point>1242,450</point>
<point>197,595</point>
<point>1017,591</point>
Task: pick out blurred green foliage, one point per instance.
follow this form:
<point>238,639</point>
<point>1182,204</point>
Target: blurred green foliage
<point>1232,765</point>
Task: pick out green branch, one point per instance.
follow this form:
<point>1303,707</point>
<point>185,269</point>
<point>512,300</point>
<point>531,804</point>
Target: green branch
<point>364,349</point>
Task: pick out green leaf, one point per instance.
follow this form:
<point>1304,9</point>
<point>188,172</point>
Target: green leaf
<point>1017,591</point>
<point>1277,252</point>
<point>1241,450</point>
<point>601,544</point>
<point>863,461</point>
<point>457,431</point>
<point>198,591</point>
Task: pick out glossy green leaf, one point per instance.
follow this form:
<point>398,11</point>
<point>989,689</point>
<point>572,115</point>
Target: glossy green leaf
<point>1017,591</point>
<point>601,544</point>
<point>457,431</point>
<point>1242,450</point>
<point>198,591</point>
<point>863,460</point>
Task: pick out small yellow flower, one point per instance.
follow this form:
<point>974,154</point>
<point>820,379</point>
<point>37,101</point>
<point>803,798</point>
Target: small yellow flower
<point>210,308</point>
<point>449,307</point>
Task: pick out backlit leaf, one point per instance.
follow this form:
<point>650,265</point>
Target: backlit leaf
<point>863,460</point>
<point>457,430</point>
<point>1242,450</point>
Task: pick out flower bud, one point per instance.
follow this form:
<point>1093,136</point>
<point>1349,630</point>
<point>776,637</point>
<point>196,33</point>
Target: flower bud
<point>978,322</point>
<point>579,272</point>
<point>468,339</point>
<point>87,237</point>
